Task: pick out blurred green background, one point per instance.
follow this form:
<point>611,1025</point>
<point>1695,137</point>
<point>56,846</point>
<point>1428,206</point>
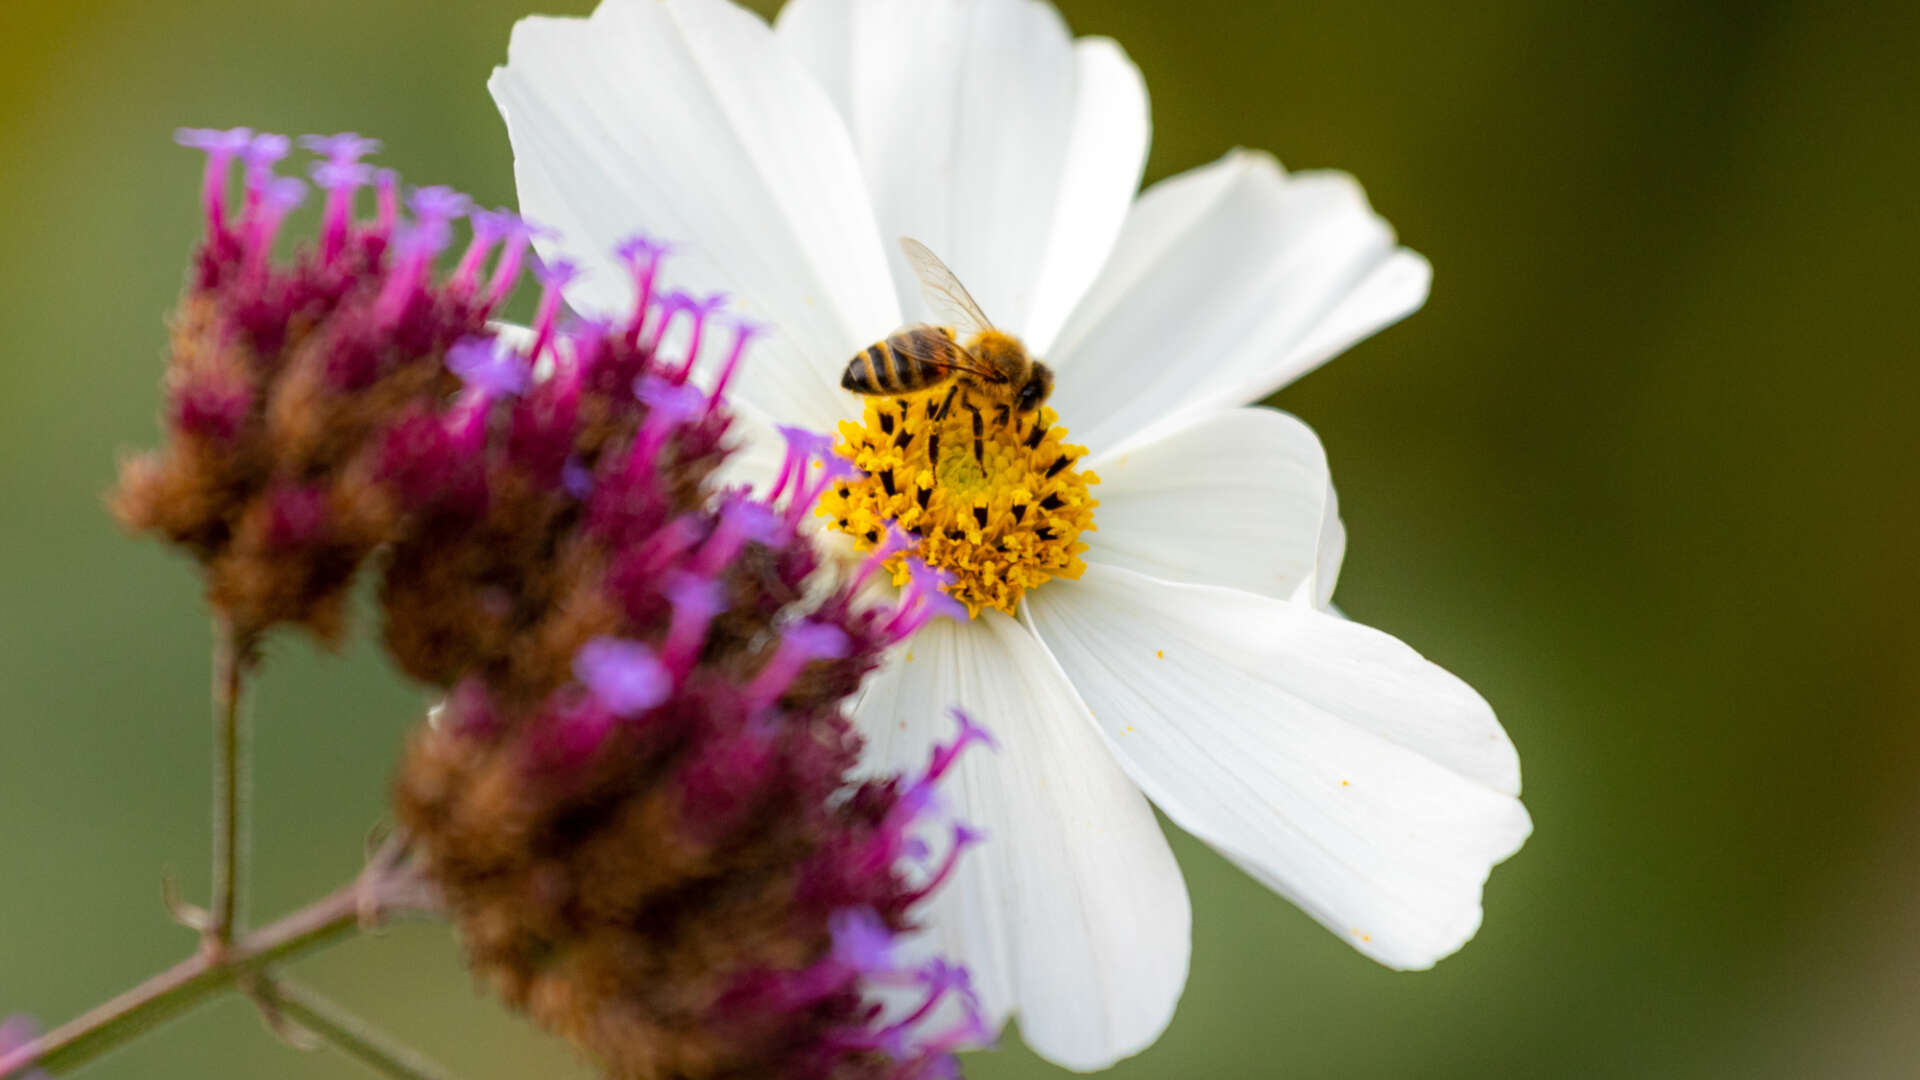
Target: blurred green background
<point>1643,472</point>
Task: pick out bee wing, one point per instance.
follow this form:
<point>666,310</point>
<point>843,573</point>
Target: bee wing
<point>943,292</point>
<point>956,358</point>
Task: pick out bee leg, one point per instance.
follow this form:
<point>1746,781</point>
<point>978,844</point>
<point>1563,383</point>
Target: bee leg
<point>979,430</point>
<point>1036,434</point>
<point>1004,416</point>
<point>946,403</point>
<point>933,449</point>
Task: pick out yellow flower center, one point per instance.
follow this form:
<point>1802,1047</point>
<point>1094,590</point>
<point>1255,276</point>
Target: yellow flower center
<point>1001,523</point>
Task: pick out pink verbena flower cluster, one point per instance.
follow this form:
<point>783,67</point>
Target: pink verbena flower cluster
<point>638,797</point>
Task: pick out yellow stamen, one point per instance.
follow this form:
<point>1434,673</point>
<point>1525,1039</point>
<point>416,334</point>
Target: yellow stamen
<point>1000,524</point>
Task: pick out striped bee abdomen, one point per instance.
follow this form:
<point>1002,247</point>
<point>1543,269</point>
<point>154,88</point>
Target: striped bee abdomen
<point>911,360</point>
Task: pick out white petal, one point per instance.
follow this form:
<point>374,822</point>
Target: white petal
<point>1332,552</point>
<point>685,120</point>
<point>821,36</point>
<point>1238,499</point>
<point>1327,759</point>
<point>1073,913</point>
<point>1105,158</point>
<point>1393,290</point>
<point>988,135</point>
<point>1228,282</point>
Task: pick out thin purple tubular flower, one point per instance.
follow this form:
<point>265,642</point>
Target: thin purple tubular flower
<point>698,310</point>
<point>434,211</point>
<point>438,204</point>
<point>803,446</point>
<point>970,733</point>
<point>744,331</point>
<point>800,645</point>
<point>221,148</point>
<point>341,180</point>
<point>827,471</point>
<point>415,247</point>
<point>490,364</point>
<point>341,175</point>
<point>964,837</point>
<point>347,146</point>
<point>892,542</point>
<point>938,978</point>
<point>924,600</point>
<point>742,521</point>
<point>513,251</point>
<point>672,403</point>
<point>554,278</point>
<point>386,185</point>
<point>696,600</point>
<point>277,198</point>
<point>490,227</point>
<point>262,153</point>
<point>643,256</point>
<point>861,941</point>
<point>623,675</point>
<point>669,405</point>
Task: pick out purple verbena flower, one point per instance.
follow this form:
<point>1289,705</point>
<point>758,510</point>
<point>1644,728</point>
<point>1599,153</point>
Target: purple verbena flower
<point>221,148</point>
<point>642,774</point>
<point>490,365</point>
<point>625,676</point>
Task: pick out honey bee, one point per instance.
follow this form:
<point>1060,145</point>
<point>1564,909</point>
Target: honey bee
<point>985,366</point>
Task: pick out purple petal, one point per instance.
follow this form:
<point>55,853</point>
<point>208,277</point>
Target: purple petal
<point>344,148</point>
<point>671,401</point>
<point>638,247</point>
<point>806,443</point>
<point>623,675</point>
<point>284,193</point>
<point>336,175</point>
<point>488,364</point>
<point>557,274</point>
<point>576,478</point>
<point>214,140</point>
<point>860,940</point>
<point>817,640</point>
<point>696,597</point>
<point>265,150</point>
<point>437,204</point>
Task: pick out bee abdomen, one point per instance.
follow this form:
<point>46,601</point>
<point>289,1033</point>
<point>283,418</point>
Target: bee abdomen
<point>907,361</point>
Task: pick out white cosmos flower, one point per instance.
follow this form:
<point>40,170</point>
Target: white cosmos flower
<point>1195,659</point>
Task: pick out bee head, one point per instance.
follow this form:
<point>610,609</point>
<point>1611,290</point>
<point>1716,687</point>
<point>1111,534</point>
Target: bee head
<point>1035,390</point>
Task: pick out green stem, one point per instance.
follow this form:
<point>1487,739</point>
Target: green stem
<point>231,653</point>
<point>350,1035</point>
<point>383,889</point>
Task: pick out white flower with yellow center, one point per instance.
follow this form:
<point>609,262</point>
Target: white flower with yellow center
<point>1150,612</point>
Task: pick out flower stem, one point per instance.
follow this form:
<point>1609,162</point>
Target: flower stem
<point>350,1035</point>
<point>231,655</point>
<point>384,888</point>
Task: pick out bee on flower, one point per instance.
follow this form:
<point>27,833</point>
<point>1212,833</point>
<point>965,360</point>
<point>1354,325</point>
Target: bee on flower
<point>1147,563</point>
